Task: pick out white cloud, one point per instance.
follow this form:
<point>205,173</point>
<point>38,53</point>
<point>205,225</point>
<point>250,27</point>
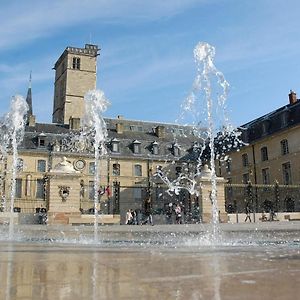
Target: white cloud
<point>28,20</point>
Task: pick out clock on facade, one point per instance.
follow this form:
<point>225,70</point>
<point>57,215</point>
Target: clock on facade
<point>79,164</point>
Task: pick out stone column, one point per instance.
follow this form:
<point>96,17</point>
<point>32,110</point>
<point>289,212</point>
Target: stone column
<point>205,196</point>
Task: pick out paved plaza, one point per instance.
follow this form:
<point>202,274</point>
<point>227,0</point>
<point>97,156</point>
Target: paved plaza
<point>184,267</point>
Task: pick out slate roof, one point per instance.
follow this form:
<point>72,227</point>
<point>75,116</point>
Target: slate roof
<point>278,120</point>
<point>142,131</point>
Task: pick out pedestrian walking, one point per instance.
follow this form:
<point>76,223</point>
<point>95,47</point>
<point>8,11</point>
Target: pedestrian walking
<point>248,214</point>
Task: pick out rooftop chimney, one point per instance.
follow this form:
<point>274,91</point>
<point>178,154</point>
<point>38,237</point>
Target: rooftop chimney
<point>160,131</point>
<point>74,123</point>
<point>120,128</point>
<point>292,97</point>
<point>31,121</point>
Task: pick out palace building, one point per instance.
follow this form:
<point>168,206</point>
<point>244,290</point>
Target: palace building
<point>269,159</point>
<point>136,149</point>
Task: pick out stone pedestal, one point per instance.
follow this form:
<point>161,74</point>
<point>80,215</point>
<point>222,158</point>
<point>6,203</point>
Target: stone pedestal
<point>205,196</point>
<point>63,193</point>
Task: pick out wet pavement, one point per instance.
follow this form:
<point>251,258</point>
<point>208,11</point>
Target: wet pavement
<point>185,269</point>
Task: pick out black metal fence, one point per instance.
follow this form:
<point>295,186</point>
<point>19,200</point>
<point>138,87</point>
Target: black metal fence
<point>161,202</point>
<point>262,198</point>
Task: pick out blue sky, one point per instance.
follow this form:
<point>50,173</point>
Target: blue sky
<point>146,66</point>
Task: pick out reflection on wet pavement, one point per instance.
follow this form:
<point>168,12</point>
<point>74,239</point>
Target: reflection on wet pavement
<point>51,271</point>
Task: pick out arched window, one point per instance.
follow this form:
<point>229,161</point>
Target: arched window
<point>264,153</point>
<point>20,165</point>
<point>245,160</point>
<point>92,168</point>
<point>18,188</point>
<point>40,189</point>
<point>116,170</point>
<point>284,147</point>
<point>41,166</point>
<point>265,176</point>
<point>286,173</point>
<point>137,170</point>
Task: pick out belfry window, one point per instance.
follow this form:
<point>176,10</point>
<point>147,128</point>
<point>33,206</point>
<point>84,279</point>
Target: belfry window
<point>76,63</point>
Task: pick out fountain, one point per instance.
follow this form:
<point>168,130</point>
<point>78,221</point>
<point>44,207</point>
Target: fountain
<point>205,111</point>
<point>94,127</point>
<point>141,262</point>
<point>13,126</point>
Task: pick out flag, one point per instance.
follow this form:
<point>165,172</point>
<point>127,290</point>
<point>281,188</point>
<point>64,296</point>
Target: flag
<point>108,191</point>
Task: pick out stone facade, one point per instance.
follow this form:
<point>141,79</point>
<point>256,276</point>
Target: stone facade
<point>135,150</point>
<point>272,150</point>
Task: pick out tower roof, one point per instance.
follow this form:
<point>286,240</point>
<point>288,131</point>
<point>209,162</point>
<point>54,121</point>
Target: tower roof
<point>29,97</point>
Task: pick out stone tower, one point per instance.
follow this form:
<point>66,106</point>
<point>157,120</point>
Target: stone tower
<point>75,74</point>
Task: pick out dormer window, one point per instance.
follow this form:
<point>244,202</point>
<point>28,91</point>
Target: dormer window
<point>265,127</point>
<point>115,145</point>
<point>284,119</point>
<point>178,170</point>
<point>195,147</point>
<point>176,149</point>
<point>136,147</point>
<point>42,140</point>
<point>155,148</point>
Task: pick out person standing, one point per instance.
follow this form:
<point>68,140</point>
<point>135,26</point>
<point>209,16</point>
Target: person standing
<point>178,214</point>
<point>169,212</point>
<point>128,220</point>
<point>148,212</point>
